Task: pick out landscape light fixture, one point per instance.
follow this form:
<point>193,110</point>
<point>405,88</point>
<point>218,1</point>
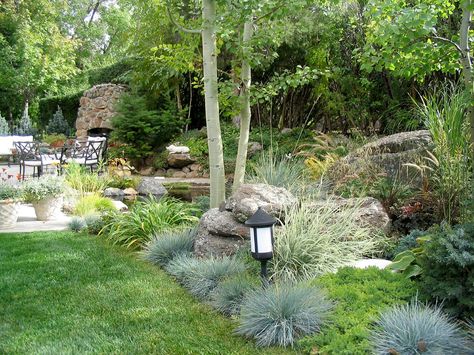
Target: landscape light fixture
<point>261,239</point>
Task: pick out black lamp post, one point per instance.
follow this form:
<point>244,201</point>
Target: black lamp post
<point>261,239</point>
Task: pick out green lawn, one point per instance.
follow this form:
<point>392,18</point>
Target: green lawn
<point>68,293</point>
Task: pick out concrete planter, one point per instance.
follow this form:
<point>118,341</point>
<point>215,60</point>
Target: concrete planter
<point>47,207</point>
<point>8,213</point>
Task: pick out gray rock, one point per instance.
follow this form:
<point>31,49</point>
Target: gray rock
<point>147,171</point>
<point>370,214</point>
<point>254,147</point>
<point>180,160</point>
<point>113,192</point>
<point>245,201</point>
<point>207,245</point>
<point>223,223</point>
<point>151,186</point>
<point>120,206</point>
<point>177,149</point>
<point>130,192</point>
<point>397,143</point>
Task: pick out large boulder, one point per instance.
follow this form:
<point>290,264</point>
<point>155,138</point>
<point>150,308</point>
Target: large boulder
<point>370,212</point>
<point>151,186</point>
<point>245,201</point>
<point>392,153</point>
<point>180,160</point>
<point>219,234</point>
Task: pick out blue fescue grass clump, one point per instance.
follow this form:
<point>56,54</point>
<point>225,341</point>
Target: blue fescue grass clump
<point>415,328</point>
<point>228,296</point>
<point>94,223</point>
<point>165,246</point>
<point>280,314</point>
<point>76,224</point>
<point>201,277</point>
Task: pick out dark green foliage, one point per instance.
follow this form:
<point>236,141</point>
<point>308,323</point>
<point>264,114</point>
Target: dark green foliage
<point>448,265</point>
<point>58,124</point>
<point>202,276</point>
<point>4,129</point>
<point>280,314</point>
<point>25,127</point>
<point>359,296</point>
<point>124,182</point>
<point>144,130</point>
<point>69,105</point>
<point>415,329</point>
<point>407,242</point>
<point>228,295</point>
<point>167,245</point>
<point>202,202</point>
<point>116,73</point>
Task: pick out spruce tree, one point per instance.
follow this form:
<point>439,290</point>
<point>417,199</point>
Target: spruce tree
<point>58,124</point>
<point>4,130</point>
<point>25,128</point>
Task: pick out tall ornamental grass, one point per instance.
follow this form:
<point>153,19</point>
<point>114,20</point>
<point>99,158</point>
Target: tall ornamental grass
<point>148,218</point>
<point>83,181</point>
<point>317,239</point>
<point>444,113</point>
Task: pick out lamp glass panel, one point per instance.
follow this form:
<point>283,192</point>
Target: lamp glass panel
<point>252,240</point>
<point>264,239</point>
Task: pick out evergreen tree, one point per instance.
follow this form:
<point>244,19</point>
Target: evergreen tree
<point>25,127</point>
<point>58,124</point>
<point>4,130</point>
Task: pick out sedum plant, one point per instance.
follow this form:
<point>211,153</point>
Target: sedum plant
<point>415,328</point>
<point>167,245</point>
<point>280,314</point>
<point>319,239</point>
<point>35,190</point>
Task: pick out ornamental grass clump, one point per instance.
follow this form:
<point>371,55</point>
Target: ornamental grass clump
<point>317,239</point>
<point>76,224</point>
<point>280,314</point>
<point>167,245</point>
<point>148,218</point>
<point>228,296</point>
<point>94,223</point>
<point>201,277</point>
<point>415,328</point>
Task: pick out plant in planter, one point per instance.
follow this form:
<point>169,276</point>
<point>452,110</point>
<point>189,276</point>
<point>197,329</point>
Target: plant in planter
<point>45,194</point>
<point>9,198</point>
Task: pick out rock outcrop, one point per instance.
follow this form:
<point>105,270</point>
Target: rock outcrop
<point>97,107</point>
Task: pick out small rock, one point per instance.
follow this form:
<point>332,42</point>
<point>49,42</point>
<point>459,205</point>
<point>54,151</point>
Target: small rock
<point>151,186</point>
<point>186,170</point>
<point>286,130</point>
<point>130,191</point>
<point>254,147</point>
<point>160,172</point>
<point>195,167</point>
<point>193,175</point>
<point>179,174</point>
<point>146,171</point>
<point>120,206</point>
<point>113,192</point>
<point>175,149</point>
<point>245,201</point>
<point>179,160</point>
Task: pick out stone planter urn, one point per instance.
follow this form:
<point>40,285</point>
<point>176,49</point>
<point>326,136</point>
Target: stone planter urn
<point>47,207</point>
<point>8,213</point>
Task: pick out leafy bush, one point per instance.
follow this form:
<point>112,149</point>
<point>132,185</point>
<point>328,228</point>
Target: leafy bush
<point>79,179</point>
<point>359,294</point>
<point>201,277</point>
<point>319,239</point>
<point>448,268</point>
<point>4,129</point>
<point>167,245</point>
<point>228,295</point>
<point>76,224</point>
<point>414,329</point>
<point>54,139</point>
<point>94,223</point>
<point>444,114</point>
<point>91,204</point>
<point>280,314</point>
<point>148,218</point>
<point>407,242</point>
<point>58,124</point>
<point>124,182</point>
<point>141,128</point>
<point>46,186</point>
<point>9,191</point>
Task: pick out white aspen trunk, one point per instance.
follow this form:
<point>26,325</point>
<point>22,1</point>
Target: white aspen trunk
<point>214,139</point>
<point>466,59</point>
<point>245,112</point>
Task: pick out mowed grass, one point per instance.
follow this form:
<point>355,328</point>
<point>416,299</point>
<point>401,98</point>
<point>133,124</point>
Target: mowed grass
<point>70,293</point>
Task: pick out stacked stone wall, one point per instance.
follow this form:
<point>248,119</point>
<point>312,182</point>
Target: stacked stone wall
<point>97,107</point>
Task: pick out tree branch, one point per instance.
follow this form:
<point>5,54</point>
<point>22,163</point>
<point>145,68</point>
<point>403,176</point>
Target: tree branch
<point>443,39</point>
<point>173,21</point>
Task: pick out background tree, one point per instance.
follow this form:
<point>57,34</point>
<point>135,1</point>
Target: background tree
<point>58,124</point>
